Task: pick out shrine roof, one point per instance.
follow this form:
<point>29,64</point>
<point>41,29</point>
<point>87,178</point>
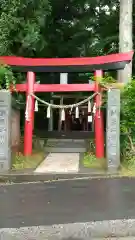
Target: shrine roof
<point>82,64</point>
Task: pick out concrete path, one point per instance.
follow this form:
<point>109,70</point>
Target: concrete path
<point>116,238</point>
<point>63,157</point>
<point>59,163</point>
<point>68,210</point>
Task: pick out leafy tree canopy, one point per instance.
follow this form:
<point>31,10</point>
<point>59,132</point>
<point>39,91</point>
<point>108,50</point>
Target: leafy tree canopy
<point>21,23</point>
<point>46,28</point>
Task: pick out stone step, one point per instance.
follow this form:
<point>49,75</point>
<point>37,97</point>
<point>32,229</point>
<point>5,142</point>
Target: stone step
<point>65,150</point>
<point>66,146</point>
<point>65,140</point>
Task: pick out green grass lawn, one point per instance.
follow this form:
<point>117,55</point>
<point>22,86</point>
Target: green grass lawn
<point>127,171</point>
<point>90,161</point>
<point>20,162</point>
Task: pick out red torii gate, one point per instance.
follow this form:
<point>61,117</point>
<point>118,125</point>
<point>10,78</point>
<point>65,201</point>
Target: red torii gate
<point>61,65</point>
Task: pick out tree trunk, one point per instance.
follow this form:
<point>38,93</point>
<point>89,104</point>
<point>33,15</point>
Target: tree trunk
<point>125,37</point>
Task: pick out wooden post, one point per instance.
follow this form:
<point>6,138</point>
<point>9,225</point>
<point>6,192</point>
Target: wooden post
<point>93,123</point>
<point>60,122</point>
<point>63,80</point>
<point>50,121</point>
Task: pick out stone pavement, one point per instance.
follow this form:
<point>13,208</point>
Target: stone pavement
<point>68,210</point>
<point>116,238</point>
<point>63,157</point>
<point>60,163</point>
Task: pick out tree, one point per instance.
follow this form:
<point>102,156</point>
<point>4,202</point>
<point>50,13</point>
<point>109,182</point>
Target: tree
<point>82,28</point>
<point>127,124</point>
<point>125,36</point>
<point>21,23</point>
<point>58,28</point>
<point>48,28</point>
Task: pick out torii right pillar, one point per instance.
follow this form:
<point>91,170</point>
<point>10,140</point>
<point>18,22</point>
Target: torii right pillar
<point>99,124</point>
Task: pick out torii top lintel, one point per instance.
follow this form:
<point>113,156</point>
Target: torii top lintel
<point>82,64</point>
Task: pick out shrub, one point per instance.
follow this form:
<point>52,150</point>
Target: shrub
<point>128,123</point>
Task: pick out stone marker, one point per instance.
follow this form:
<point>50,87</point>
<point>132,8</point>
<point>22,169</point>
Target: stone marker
<point>5,129</point>
<point>113,130</point>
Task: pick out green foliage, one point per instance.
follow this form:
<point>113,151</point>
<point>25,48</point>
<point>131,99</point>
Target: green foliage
<point>128,123</point>
<point>58,28</point>
<point>80,28</point>
<point>21,23</point>
<point>90,161</point>
<point>128,107</point>
<point>48,28</point>
<point>19,161</point>
<point>6,77</point>
<point>107,79</point>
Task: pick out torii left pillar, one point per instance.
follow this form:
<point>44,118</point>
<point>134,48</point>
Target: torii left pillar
<point>99,126</point>
<point>29,123</point>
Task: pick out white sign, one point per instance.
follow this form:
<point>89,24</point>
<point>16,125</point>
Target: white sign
<point>90,118</point>
<point>63,78</point>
